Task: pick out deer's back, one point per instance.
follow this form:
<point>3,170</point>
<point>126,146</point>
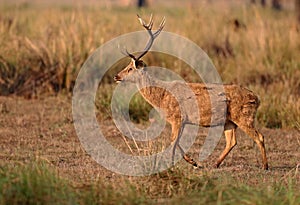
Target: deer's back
<point>241,103</point>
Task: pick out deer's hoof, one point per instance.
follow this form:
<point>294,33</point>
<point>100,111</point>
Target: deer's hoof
<point>266,167</point>
<point>216,166</point>
<point>197,166</point>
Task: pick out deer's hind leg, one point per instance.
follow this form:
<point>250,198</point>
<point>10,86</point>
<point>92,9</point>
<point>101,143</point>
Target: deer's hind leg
<point>229,132</point>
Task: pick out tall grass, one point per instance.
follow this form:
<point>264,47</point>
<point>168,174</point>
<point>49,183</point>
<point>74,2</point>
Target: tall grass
<point>43,49</point>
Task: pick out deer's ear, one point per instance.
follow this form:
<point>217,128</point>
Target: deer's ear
<point>139,64</point>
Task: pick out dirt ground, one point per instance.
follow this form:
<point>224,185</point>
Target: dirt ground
<point>43,129</point>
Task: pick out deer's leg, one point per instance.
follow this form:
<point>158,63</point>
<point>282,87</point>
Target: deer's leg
<point>230,137</point>
<point>259,139</point>
<point>187,158</point>
<point>177,130</point>
<point>176,133</point>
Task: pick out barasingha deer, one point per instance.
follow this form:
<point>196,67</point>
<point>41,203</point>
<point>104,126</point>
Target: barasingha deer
<point>241,103</point>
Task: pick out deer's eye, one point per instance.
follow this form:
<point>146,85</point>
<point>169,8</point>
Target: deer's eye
<point>130,69</point>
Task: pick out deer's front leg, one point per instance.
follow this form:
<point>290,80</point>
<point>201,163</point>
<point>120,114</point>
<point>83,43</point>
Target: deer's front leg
<point>176,134</point>
<point>177,129</point>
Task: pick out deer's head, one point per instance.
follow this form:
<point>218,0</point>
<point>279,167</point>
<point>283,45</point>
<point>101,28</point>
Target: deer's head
<point>133,71</point>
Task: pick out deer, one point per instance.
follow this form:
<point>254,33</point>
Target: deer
<point>242,103</point>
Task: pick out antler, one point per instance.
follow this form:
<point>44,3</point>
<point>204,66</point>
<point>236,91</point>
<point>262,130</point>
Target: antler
<point>148,27</point>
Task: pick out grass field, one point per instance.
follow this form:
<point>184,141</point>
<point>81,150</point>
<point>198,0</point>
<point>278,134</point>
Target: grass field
<point>42,51</point>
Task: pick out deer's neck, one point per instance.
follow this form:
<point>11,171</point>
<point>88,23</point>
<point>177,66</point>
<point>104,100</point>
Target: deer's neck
<point>151,89</point>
